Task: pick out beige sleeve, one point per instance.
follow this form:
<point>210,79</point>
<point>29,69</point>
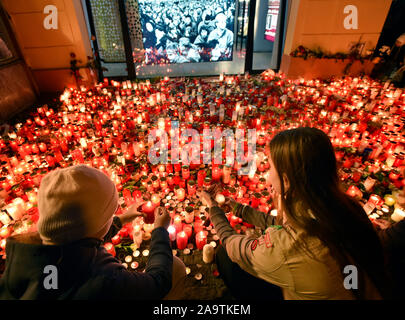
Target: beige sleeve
<point>262,257</point>
<point>253,216</point>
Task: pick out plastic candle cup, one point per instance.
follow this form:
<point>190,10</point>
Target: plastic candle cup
<point>220,198</point>
<point>155,200</point>
<point>180,194</point>
<point>189,214</point>
<point>191,187</point>
<point>177,223</point>
<point>200,240</point>
<point>181,240</point>
<point>208,253</point>
<point>198,226</point>
<point>172,232</point>
<point>389,200</point>
<point>398,214</point>
<point>188,229</point>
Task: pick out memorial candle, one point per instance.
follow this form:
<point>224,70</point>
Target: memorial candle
<point>155,198</point>
<point>200,240</point>
<point>208,253</point>
<point>189,214</point>
<point>149,209</point>
<point>172,233</point>
<point>200,177</point>
<point>216,173</point>
<point>182,240</point>
<point>180,194</point>
<point>398,214</point>
<point>186,172</point>
<point>177,223</point>
<point>191,187</point>
<point>188,229</point>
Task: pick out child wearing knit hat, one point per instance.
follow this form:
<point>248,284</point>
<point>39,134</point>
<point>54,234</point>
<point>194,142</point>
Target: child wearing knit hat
<point>76,212</point>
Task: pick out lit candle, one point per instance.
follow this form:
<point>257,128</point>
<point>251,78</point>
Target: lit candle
<point>200,240</point>
<point>189,214</point>
<point>216,173</point>
<point>182,240</point>
<point>155,200</point>
<point>149,209</point>
<point>172,232</point>
<point>188,229</point>
<point>110,248</point>
<point>398,214</point>
<point>177,223</point>
<point>220,198</point>
<point>191,187</point>
<point>389,200</point>
<point>180,194</point>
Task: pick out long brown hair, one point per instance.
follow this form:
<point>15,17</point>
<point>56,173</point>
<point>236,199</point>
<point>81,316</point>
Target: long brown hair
<point>306,156</point>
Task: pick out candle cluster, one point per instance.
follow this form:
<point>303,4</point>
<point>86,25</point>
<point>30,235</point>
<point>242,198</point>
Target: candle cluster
<point>107,127</point>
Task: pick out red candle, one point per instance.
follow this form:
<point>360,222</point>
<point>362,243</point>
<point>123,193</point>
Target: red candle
<point>191,187</point>
<point>182,240</point>
<point>127,197</point>
<point>375,199</point>
<point>42,147</point>
<point>234,221</point>
<point>393,175</point>
<point>116,240</point>
<point>186,172</point>
<point>110,248</point>
<point>256,200</point>
<point>200,240</point>
<point>198,226</point>
<point>353,191</point>
<point>188,229</point>
<point>149,209</point>
<point>200,177</point>
<point>216,173</point>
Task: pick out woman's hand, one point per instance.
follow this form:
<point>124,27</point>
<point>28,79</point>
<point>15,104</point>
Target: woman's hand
<point>207,199</point>
<point>162,218</point>
<point>230,202</point>
<point>132,212</point>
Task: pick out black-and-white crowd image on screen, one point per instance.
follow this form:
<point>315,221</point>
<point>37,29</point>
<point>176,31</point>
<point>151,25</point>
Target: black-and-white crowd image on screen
<point>181,31</point>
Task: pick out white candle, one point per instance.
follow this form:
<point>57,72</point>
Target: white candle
<point>398,215</point>
<point>208,253</point>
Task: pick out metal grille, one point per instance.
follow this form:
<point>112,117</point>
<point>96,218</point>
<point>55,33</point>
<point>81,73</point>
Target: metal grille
<point>108,30</point>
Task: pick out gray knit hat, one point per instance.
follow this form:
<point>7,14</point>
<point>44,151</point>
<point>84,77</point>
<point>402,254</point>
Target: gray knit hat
<point>75,203</point>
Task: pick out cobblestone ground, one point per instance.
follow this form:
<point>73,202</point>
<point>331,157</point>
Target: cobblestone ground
<point>203,281</point>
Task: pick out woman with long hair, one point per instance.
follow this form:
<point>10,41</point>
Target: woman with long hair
<point>325,247</point>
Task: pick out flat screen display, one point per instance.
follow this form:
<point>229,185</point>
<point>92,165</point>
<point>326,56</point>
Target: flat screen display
<point>271,20</point>
<point>184,31</point>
